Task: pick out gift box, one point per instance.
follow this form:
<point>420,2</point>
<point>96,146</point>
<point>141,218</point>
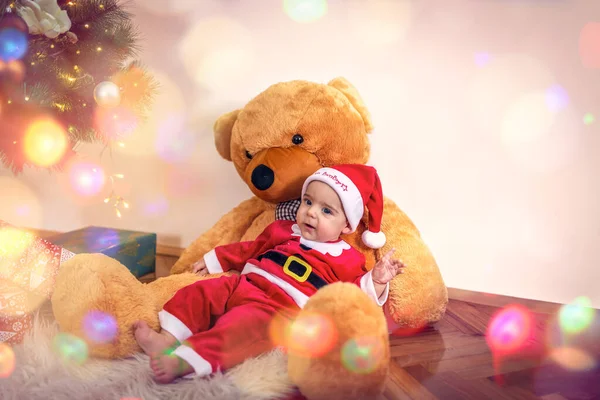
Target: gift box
<point>28,269</point>
<point>135,250</point>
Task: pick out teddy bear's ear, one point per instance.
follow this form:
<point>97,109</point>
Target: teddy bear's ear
<point>222,129</point>
<point>344,86</point>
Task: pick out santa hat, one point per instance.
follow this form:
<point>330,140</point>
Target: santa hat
<point>357,186</point>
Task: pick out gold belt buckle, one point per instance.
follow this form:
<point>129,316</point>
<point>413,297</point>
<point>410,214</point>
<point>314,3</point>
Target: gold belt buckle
<point>299,278</point>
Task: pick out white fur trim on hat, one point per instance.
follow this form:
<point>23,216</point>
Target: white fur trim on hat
<point>374,240</point>
<point>349,194</point>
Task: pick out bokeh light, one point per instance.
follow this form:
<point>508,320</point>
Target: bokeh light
<point>171,7</point>
<point>20,203</point>
<point>70,348</point>
<point>183,180</point>
<point>175,142</point>
<point>379,23</point>
<point>509,329</point>
<point>87,179</point>
<point>311,335</point>
<point>13,244</point>
<point>527,119</point>
<point>588,119</point>
<point>13,44</point>
<point>482,59</point>
<point>115,123</point>
<point>156,206</point>
<point>573,358</point>
<point>305,10</point>
<point>279,330</point>
<point>7,360</point>
<point>12,20</point>
<point>100,327</point>
<point>557,98</point>
<point>363,355</point>
<point>492,101</point>
<point>218,62</point>
<point>168,101</point>
<point>45,143</point>
<point>577,316</point>
<point>12,71</point>
<point>589,50</point>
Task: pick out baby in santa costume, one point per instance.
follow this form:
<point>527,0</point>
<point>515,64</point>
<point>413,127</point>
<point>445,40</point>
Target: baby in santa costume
<point>215,324</point>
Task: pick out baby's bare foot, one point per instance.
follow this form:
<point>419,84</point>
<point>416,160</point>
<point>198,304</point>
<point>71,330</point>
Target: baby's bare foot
<point>168,367</point>
<point>151,341</point>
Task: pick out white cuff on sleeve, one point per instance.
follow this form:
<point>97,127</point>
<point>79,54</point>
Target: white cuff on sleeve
<point>368,286</point>
<point>212,262</point>
<point>173,325</point>
<point>200,365</point>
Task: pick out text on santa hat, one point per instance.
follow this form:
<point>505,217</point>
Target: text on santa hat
<point>335,179</point>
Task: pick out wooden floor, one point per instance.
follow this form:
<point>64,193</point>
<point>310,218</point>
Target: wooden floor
<point>453,361</point>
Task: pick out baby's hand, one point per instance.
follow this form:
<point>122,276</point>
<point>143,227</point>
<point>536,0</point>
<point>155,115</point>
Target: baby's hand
<point>387,268</point>
<point>199,268</point>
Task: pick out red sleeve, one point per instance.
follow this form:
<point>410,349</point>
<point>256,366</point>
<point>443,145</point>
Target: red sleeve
<point>351,267</point>
<point>234,255</point>
<point>353,270</point>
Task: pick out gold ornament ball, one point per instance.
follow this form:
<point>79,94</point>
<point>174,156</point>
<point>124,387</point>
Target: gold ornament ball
<point>107,94</point>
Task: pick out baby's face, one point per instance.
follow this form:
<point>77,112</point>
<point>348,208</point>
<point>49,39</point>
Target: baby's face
<point>321,216</point>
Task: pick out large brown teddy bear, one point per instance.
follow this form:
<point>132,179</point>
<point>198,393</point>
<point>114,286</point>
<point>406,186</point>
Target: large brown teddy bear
<point>276,141</point>
<point>281,137</point>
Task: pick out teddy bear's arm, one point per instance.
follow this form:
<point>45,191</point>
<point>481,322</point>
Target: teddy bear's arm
<point>230,228</point>
<point>418,296</point>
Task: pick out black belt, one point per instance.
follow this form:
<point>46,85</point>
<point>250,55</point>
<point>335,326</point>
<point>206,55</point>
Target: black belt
<point>296,267</point>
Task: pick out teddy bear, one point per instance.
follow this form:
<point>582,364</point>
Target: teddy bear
<point>284,135</point>
<point>275,141</point>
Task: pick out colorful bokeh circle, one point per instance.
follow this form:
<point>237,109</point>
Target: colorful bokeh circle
<point>100,327</point>
<point>70,348</point>
<point>363,355</point>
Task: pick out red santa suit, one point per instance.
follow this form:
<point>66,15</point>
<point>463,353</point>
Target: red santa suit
<point>221,322</point>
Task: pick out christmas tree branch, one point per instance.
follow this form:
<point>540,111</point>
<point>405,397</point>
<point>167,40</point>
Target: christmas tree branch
<point>62,74</point>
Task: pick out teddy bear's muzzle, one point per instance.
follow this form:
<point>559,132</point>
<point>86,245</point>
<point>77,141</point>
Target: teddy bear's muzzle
<point>293,166</point>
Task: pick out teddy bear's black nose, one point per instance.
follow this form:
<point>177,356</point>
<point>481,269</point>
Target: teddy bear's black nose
<point>262,177</point>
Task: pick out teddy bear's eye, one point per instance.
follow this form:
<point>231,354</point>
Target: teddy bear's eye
<point>248,155</point>
<point>297,139</point>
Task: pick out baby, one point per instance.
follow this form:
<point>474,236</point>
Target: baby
<point>215,324</point>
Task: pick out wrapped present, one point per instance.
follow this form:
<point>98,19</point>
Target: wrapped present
<point>28,269</point>
<point>135,250</point>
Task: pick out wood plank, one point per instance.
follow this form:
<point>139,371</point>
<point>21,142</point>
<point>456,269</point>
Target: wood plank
<point>431,342</point>
<point>544,307</point>
<point>169,250</point>
<point>494,391</point>
<point>476,389</point>
<point>437,385</point>
<point>436,356</point>
<point>408,384</point>
<point>553,396</point>
<point>481,369</point>
<point>469,315</point>
<point>393,391</point>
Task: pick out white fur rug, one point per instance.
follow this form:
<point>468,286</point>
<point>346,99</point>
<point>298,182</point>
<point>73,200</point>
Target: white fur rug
<point>41,374</point>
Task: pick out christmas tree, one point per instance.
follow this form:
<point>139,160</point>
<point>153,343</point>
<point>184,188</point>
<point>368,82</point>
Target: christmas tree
<point>67,75</point>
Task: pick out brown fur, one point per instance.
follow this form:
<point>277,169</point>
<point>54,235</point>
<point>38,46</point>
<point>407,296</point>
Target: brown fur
<point>362,318</point>
<point>334,123</point>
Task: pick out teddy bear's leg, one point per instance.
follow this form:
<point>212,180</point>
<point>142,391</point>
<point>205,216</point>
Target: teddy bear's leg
<point>230,228</point>
<point>357,360</point>
<point>97,283</point>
